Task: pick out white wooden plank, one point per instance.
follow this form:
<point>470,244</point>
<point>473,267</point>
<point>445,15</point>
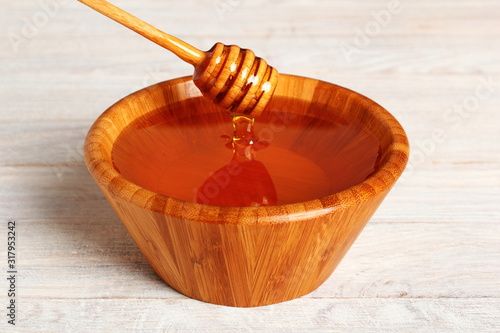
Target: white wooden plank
<point>431,192</point>
<point>331,315</point>
<point>81,239</point>
<point>426,262</point>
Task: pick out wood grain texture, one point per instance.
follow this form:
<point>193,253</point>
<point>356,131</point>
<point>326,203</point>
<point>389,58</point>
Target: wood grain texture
<point>231,77</point>
<point>247,256</point>
<point>333,315</point>
<point>183,50</point>
<point>434,239</point>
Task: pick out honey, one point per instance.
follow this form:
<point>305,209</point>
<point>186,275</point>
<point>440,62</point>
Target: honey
<point>281,158</point>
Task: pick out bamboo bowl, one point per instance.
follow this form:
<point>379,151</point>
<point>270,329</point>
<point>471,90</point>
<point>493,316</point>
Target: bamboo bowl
<point>247,256</point>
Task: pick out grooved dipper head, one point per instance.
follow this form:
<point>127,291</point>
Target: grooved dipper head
<point>236,79</point>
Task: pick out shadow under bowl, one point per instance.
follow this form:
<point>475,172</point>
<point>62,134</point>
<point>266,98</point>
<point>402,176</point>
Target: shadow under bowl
<point>247,256</point>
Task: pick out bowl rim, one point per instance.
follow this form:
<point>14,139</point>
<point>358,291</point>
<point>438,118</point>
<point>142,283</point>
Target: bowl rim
<point>377,184</point>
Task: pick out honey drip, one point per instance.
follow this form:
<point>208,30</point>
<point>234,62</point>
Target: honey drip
<point>244,181</point>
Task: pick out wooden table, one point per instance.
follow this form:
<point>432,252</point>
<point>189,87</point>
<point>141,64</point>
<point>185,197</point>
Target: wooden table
<point>428,261</point>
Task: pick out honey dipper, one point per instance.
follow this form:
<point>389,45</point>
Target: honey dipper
<point>229,76</point>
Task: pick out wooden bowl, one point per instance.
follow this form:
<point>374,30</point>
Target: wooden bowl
<point>247,256</point>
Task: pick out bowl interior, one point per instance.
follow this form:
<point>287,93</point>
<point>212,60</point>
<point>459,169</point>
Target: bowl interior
<point>352,145</point>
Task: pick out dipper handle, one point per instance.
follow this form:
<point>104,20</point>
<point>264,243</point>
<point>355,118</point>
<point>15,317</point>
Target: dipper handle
<point>229,76</point>
<point>183,50</point>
